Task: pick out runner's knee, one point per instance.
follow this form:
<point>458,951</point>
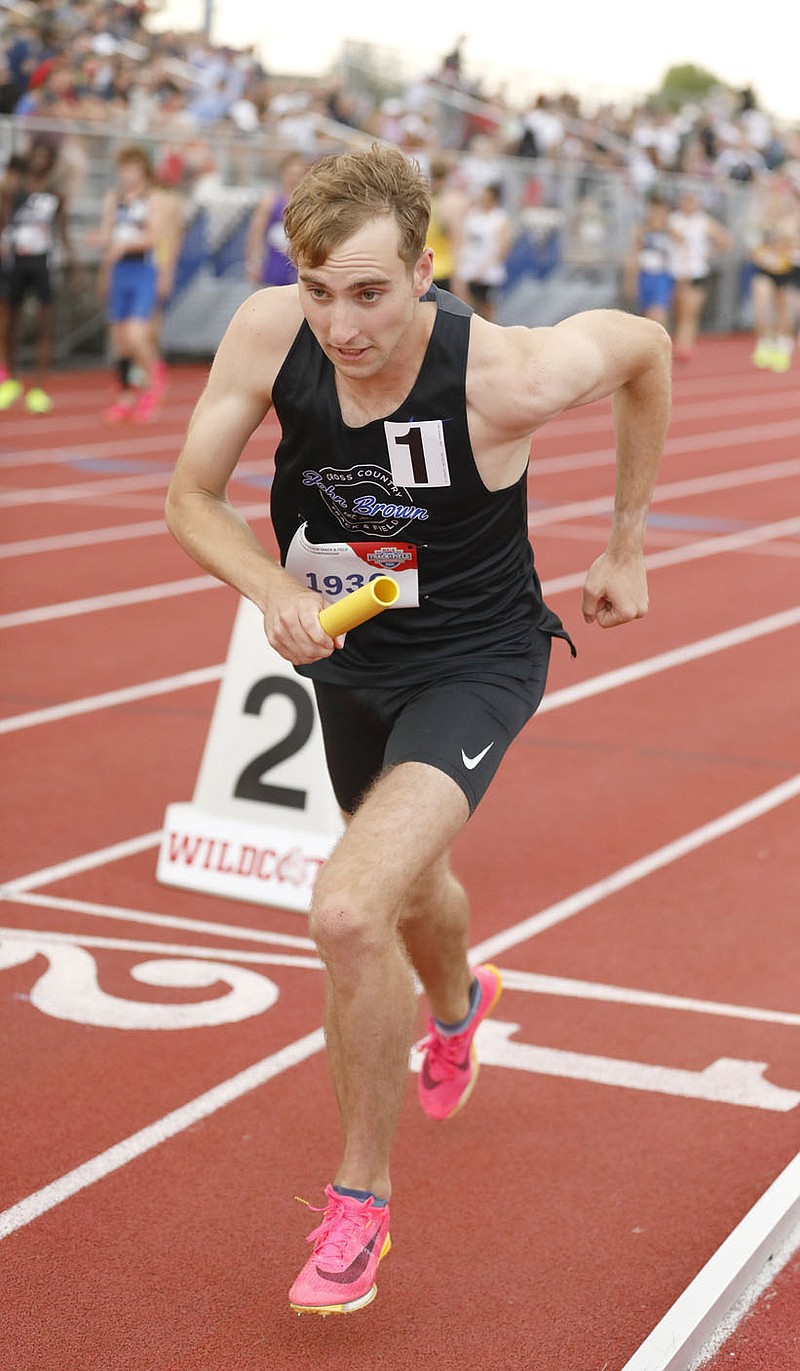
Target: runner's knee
<point>345,926</point>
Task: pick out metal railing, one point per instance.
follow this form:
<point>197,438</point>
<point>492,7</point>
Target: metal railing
<point>572,223</point>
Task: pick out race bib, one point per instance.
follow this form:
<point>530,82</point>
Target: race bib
<point>335,569</point>
<point>31,240</point>
<point>417,453</point>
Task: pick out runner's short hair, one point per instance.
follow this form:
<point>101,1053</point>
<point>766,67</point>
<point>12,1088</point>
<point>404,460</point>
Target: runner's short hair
<point>338,195</point>
<point>133,153</point>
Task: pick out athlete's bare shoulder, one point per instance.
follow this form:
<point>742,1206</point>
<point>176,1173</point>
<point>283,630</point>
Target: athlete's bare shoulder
<point>261,334</point>
<point>499,380</point>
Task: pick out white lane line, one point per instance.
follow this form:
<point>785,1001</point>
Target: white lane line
<point>584,690</point>
<point>13,894</point>
<point>672,490</point>
<point>74,866</point>
<point>182,396</point>
<point>493,947</point>
<point>555,514</point>
<point>664,661</point>
<point>113,1158</point>
<point>74,450</point>
<point>126,695</point>
<point>536,984</point>
<point>674,447</point>
<point>686,1326</point>
<point>94,604</point>
<point>682,412</point>
<point>529,982</point>
<point>109,485</point>
<point>137,1144</point>
<point>216,954</point>
<point>114,533</point>
<point>114,485</point>
<point>692,552</point>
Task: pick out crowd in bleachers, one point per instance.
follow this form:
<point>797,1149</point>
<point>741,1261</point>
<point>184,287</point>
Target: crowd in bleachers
<point>519,188</point>
<point>104,62</point>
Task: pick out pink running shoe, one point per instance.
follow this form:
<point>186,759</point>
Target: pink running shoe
<point>117,413</point>
<point>147,403</point>
<point>159,383</point>
<point>450,1064</point>
<point>339,1276</point>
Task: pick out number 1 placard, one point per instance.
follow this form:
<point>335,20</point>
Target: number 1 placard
<point>263,817</point>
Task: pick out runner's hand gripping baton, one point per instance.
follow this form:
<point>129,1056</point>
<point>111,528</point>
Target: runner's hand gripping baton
<point>361,605</point>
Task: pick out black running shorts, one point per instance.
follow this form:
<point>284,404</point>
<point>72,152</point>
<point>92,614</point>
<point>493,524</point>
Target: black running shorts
<point>461,724</point>
<point>28,276</point>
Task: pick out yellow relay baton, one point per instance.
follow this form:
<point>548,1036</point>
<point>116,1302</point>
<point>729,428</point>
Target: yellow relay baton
<point>361,605</point>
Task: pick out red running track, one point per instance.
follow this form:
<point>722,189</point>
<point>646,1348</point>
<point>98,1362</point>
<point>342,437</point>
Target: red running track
<point>555,1222</point>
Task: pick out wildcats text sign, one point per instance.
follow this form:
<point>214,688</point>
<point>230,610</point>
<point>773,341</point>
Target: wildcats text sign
<point>263,817</point>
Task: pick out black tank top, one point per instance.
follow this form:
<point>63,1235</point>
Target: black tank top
<point>408,488</point>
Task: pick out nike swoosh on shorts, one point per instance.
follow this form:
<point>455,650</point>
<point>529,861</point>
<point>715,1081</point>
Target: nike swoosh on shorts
<point>471,762</point>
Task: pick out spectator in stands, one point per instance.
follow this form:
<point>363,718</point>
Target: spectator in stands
<point>699,237</point>
<point>267,260</point>
<point>483,249</point>
<point>542,130</point>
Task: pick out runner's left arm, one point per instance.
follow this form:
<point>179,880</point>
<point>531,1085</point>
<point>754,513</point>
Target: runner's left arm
<point>585,358</point>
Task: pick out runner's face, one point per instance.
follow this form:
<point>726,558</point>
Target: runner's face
<point>360,304</point>
<point>132,178</point>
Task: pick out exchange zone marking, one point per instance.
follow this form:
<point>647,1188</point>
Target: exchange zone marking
<point>137,1144</point>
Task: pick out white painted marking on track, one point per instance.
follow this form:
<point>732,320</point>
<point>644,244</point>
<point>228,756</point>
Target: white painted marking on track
<point>685,1327</point>
<point>108,485</point>
<point>726,1081</point>
<point>121,914</point>
<point>74,866</point>
<point>95,604</point>
<point>69,989</point>
<point>572,424</point>
<point>664,661</point>
<point>111,1160</point>
<point>691,552</point>
<point>493,947</point>
<point>672,490</point>
<point>115,533</point>
<point>706,547</point>
<point>768,471</point>
<point>218,954</point>
<point>584,690</point>
<point>779,1255</point>
<point>112,485</point>
<point>674,447</point>
<point>109,699</point>
<point>536,984</point>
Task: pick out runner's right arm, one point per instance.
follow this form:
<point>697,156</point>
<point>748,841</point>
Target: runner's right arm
<point>198,512</point>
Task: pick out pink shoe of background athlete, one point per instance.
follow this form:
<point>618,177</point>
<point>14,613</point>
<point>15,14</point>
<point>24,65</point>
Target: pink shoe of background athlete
<point>339,1276</point>
<point>147,403</point>
<point>450,1064</point>
<point>118,412</point>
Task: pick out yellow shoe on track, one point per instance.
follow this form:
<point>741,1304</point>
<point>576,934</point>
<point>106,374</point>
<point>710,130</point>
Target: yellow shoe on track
<point>37,401</point>
<point>10,391</point>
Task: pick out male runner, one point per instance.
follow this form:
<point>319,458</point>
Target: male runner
<point>130,231</point>
<point>406,424</point>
